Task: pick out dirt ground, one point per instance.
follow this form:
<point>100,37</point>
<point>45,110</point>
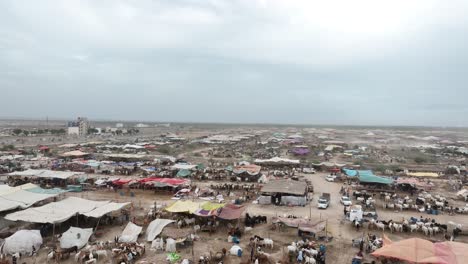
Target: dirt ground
<point>339,250</point>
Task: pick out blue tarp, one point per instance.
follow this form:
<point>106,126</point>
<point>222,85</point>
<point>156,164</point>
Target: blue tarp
<point>368,176</point>
<point>350,173</point>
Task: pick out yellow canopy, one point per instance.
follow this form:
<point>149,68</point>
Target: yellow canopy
<point>423,174</point>
<point>212,206</point>
<point>184,207</point>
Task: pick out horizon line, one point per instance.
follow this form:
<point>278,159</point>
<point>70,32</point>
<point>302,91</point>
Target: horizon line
<point>227,123</point>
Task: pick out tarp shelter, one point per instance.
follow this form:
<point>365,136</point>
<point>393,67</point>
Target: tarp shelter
<point>301,150</point>
<point>369,177</point>
<point>231,212</point>
<point>423,174</point>
<point>121,182</point>
<point>24,196</point>
<point>56,212</point>
<point>350,173</point>
<point>105,209</point>
<point>183,167</point>
<point>291,222</point>
<point>416,250</point>
<point>22,242</point>
<point>206,213</point>
<point>212,206</point>
<point>250,169</point>
<point>74,153</point>
<point>130,233</point>
<point>4,188</point>
<point>164,182</point>
<point>312,227</point>
<point>183,173</point>
<point>46,174</point>
<point>277,160</point>
<point>155,228</point>
<point>184,207</point>
<point>330,164</point>
<point>75,236</point>
<point>285,186</point>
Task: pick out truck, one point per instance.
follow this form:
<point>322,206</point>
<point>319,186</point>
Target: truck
<point>324,201</point>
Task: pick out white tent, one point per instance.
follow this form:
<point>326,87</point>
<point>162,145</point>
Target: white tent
<point>6,205</point>
<point>130,233</point>
<point>155,228</point>
<point>18,197</point>
<point>46,173</point>
<point>22,242</point>
<point>105,209</point>
<point>4,188</point>
<point>277,160</point>
<point>75,237</point>
<point>56,212</point>
<point>26,198</point>
<point>183,167</point>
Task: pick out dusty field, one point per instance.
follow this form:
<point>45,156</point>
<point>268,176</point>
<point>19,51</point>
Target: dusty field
<point>339,250</point>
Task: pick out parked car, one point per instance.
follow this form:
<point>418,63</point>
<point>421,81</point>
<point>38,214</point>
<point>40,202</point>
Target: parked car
<point>324,201</point>
<point>346,201</point>
<point>330,178</point>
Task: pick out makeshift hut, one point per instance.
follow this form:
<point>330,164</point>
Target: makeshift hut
<point>284,192</point>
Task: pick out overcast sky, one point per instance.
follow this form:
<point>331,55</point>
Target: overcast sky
<point>398,62</point>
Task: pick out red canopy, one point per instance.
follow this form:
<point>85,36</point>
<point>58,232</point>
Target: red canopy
<point>122,181</point>
<point>416,250</point>
<point>163,181</point>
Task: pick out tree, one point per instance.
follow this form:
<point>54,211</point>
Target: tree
<point>7,147</point>
<point>26,133</point>
<point>92,130</point>
<point>17,131</point>
<point>381,168</point>
<point>164,150</point>
<point>118,132</point>
<point>420,160</point>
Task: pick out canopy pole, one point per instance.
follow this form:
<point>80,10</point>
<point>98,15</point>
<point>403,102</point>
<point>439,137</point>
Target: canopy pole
<point>99,220</point>
<point>76,220</point>
<point>53,233</point>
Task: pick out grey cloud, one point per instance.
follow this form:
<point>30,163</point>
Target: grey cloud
<point>233,61</point>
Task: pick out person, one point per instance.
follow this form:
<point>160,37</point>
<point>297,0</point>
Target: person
<point>361,245</point>
<point>300,257</point>
<point>321,257</point>
<point>252,252</point>
<point>344,210</point>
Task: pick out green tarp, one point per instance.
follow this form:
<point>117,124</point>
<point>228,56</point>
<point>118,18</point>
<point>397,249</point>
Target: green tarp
<point>183,173</point>
<point>369,177</point>
<point>46,191</point>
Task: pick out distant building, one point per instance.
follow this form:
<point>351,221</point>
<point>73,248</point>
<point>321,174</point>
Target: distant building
<point>79,127</point>
<point>141,125</point>
<point>119,125</point>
